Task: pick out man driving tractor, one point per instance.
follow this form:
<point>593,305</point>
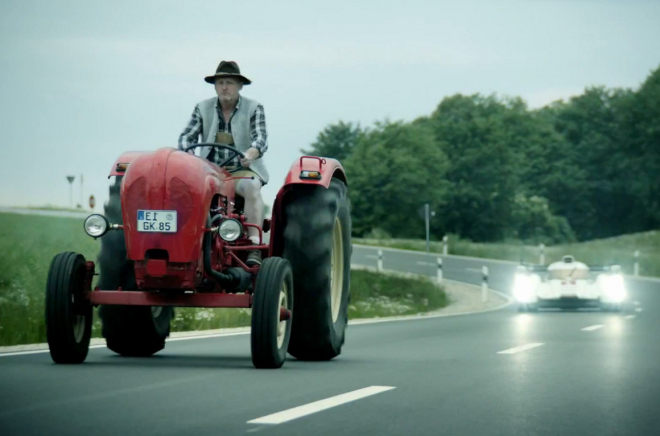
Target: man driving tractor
<point>233,119</point>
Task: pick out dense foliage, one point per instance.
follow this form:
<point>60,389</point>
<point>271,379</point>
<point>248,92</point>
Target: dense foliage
<point>492,169</point>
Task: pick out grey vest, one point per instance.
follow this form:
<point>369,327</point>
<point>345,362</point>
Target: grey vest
<point>240,129</point>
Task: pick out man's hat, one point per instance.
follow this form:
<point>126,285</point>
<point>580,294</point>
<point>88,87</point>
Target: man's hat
<point>228,69</point>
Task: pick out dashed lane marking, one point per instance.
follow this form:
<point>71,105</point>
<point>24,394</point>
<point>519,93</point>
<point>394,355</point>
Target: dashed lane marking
<point>317,406</point>
<point>521,348</point>
<point>630,317</point>
<point>593,327</point>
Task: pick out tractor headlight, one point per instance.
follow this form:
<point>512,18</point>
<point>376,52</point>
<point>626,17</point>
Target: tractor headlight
<point>230,230</point>
<point>96,225</point>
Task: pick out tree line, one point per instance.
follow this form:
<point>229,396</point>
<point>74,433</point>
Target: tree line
<point>493,170</point>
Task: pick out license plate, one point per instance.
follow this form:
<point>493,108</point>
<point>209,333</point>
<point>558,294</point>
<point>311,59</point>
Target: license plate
<point>161,221</point>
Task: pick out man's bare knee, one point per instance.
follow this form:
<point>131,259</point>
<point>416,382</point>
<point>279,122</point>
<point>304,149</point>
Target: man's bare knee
<point>249,189</point>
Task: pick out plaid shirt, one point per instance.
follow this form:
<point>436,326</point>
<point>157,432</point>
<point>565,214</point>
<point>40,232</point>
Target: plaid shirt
<point>258,133</point>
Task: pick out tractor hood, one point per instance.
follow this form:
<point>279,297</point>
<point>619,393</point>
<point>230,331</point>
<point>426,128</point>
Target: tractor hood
<point>169,180</point>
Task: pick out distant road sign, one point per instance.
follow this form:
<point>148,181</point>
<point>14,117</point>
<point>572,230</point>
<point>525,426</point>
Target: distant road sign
<point>92,202</point>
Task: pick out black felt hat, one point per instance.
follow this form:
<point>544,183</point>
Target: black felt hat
<point>228,69</point>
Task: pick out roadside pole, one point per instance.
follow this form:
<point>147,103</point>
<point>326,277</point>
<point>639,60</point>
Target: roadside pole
<point>444,245</point>
<point>427,218</point>
<point>484,284</point>
<point>542,254</point>
<point>380,260</point>
<point>70,179</point>
<point>439,270</point>
<point>636,263</point>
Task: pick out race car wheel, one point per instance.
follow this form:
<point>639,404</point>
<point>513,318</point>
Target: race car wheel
<point>129,330</point>
<point>317,242</point>
<point>272,309</point>
<point>68,314</point>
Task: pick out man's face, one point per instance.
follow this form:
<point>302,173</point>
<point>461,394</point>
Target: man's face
<point>227,89</point>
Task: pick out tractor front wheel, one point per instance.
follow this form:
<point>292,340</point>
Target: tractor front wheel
<point>129,330</point>
<point>272,309</point>
<point>68,314</point>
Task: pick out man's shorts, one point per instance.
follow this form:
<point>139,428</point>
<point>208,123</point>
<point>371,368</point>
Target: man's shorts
<point>241,172</point>
<point>246,173</point>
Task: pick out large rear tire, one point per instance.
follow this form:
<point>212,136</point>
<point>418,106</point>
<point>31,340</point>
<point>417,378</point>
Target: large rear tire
<point>317,243</point>
<point>271,313</point>
<point>68,314</point>
<point>129,330</point>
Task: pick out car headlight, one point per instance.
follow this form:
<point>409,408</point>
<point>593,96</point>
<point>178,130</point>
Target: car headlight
<point>524,287</point>
<point>614,288</point>
<point>96,225</point>
<point>230,230</point>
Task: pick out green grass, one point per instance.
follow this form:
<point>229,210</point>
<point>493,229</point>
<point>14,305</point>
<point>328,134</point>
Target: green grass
<point>29,242</point>
<point>27,245</point>
<point>617,250</point>
<point>379,295</point>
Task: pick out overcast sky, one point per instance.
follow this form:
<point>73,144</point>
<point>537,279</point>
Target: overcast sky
<point>83,81</point>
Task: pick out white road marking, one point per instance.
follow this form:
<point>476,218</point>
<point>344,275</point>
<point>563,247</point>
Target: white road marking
<point>425,263</point>
<point>593,327</point>
<point>182,338</point>
<point>371,256</point>
<point>474,269</point>
<point>636,303</point>
<point>638,309</point>
<point>218,335</point>
<point>630,317</point>
<point>20,353</point>
<point>521,348</point>
<point>317,406</point>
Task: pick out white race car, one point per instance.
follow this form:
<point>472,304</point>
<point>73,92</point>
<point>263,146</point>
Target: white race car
<point>569,284</point>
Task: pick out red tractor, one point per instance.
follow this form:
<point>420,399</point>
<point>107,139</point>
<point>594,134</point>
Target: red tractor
<point>174,234</point>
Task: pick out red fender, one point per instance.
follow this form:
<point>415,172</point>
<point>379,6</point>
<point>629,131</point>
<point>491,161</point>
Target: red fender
<point>328,169</point>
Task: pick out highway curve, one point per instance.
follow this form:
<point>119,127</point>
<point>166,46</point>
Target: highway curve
<point>494,373</point>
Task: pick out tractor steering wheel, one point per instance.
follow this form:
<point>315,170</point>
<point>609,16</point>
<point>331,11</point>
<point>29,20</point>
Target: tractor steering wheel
<point>215,145</point>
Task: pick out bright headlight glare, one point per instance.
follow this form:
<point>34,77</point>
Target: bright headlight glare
<point>523,288</point>
<point>230,230</point>
<point>96,225</point>
<point>615,288</point>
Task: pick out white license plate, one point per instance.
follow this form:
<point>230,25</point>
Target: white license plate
<point>161,221</point>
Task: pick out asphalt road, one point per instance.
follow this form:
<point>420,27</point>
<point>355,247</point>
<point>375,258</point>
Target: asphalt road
<point>495,373</point>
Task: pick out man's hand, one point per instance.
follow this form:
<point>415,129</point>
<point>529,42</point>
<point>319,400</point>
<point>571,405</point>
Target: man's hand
<point>250,155</point>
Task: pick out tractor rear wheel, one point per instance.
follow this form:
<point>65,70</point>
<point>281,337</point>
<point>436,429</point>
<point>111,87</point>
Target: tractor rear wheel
<point>317,243</point>
<point>129,330</point>
<point>271,313</point>
<point>68,314</point>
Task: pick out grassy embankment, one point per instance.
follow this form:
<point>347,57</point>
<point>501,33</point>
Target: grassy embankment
<point>28,243</point>
<point>617,250</point>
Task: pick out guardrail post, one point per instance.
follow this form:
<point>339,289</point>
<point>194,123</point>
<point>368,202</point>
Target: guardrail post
<point>542,254</point>
<point>484,284</point>
<point>636,262</point>
<point>444,245</point>
<point>380,260</point>
<point>439,270</point>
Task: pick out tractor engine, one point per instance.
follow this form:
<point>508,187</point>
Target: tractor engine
<point>165,197</point>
